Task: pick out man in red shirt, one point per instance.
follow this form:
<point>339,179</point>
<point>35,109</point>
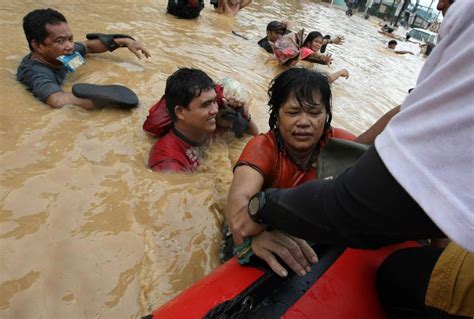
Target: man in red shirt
<point>191,99</point>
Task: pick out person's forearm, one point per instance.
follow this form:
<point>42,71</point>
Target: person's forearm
<point>58,100</point>
<point>334,76</point>
<point>404,52</point>
<point>364,207</point>
<point>253,129</point>
<point>240,223</point>
<point>94,46</point>
<point>315,59</point>
<point>245,3</point>
<point>246,182</point>
<point>368,137</point>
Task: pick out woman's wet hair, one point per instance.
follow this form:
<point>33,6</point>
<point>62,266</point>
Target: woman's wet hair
<point>311,36</point>
<point>34,24</point>
<point>303,84</point>
<point>429,47</point>
<point>183,86</point>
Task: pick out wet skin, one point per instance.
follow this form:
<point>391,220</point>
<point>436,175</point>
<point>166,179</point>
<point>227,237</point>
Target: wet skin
<point>301,128</point>
<point>60,41</point>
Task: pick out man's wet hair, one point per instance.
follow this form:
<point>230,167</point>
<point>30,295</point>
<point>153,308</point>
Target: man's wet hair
<point>34,24</point>
<point>302,84</point>
<point>276,26</point>
<point>392,42</point>
<point>311,36</point>
<point>184,9</point>
<point>183,86</point>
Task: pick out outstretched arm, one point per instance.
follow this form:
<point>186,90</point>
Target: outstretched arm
<point>404,52</point>
<point>339,39</point>
<point>368,137</point>
<point>336,75</point>
<point>136,47</point>
<point>59,99</point>
<point>319,58</point>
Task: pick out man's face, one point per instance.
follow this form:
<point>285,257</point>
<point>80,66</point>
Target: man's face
<point>392,46</point>
<point>58,42</point>
<point>200,115</point>
<point>443,6</point>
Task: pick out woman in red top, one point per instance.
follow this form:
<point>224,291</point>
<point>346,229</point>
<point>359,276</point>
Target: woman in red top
<point>286,156</point>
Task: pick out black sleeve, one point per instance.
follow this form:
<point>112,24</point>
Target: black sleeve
<point>364,207</point>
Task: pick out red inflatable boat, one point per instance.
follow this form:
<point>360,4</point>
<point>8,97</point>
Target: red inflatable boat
<point>341,285</point>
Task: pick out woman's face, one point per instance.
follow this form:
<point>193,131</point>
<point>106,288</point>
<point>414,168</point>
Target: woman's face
<point>301,129</point>
<point>316,44</point>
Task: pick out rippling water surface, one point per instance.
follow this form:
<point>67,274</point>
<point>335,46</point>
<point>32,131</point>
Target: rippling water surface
<point>86,230</point>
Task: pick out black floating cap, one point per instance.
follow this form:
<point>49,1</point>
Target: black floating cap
<point>276,26</point>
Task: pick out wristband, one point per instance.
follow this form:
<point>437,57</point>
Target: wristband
<point>244,251</point>
<point>108,39</point>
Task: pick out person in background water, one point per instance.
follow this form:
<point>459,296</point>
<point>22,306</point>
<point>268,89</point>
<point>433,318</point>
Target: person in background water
<point>192,101</point>
<point>392,44</point>
<point>49,38</point>
<point>185,9</point>
<point>230,7</point>
<point>312,46</point>
<point>287,52</point>
<point>405,187</point>
<point>275,29</point>
<point>426,48</point>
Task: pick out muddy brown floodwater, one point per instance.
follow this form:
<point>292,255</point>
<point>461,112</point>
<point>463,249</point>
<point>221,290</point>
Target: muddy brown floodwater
<point>86,230</point>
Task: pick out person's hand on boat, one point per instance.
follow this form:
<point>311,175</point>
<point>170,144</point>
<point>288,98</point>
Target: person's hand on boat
<point>242,226</point>
<point>136,47</point>
<point>294,252</point>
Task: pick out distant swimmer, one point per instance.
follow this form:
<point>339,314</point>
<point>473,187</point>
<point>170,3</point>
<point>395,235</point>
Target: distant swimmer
<point>275,29</point>
<point>229,7</point>
<point>426,48</point>
<point>54,54</point>
<point>388,31</point>
<point>351,5</point>
<point>392,44</point>
<point>185,9</point>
